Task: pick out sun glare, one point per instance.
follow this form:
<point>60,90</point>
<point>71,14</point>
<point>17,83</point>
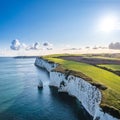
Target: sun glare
<point>108,24</point>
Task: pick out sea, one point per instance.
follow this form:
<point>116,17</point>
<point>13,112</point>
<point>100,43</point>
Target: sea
<point>20,98</point>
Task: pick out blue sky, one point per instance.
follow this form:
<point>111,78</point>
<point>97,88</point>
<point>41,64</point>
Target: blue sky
<point>60,22</point>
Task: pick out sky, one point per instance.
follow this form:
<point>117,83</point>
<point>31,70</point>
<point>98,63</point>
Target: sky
<point>73,23</point>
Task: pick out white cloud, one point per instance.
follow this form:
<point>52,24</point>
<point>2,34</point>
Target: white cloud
<point>15,45</point>
<point>114,45</point>
<point>36,46</point>
<point>23,46</point>
<point>47,45</point>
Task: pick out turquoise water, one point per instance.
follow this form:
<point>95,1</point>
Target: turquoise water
<point>20,99</point>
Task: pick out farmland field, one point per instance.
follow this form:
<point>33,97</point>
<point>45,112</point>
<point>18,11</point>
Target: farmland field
<point>111,66</point>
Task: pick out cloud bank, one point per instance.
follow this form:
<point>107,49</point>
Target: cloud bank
<point>17,45</point>
<point>114,46</point>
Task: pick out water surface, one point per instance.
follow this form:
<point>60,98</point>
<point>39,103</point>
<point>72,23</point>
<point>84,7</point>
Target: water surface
<point>20,99</point>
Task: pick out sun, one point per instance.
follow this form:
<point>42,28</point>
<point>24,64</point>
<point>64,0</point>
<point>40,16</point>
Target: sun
<point>108,24</point>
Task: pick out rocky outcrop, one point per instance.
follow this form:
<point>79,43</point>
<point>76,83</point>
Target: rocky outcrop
<point>89,95</point>
<point>40,85</point>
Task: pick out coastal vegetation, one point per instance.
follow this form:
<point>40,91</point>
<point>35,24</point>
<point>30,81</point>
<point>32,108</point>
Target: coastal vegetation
<point>105,80</point>
<point>111,66</point>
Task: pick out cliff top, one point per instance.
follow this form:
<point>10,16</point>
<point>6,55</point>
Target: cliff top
<point>103,78</point>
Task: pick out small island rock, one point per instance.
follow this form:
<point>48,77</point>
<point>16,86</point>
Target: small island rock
<point>40,84</point>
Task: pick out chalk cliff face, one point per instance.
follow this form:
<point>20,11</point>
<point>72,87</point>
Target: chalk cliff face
<point>87,94</point>
<point>45,64</point>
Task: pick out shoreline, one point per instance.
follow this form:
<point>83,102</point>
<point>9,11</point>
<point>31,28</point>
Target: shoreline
<point>49,66</point>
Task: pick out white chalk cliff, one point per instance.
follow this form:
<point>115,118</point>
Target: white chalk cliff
<point>89,95</point>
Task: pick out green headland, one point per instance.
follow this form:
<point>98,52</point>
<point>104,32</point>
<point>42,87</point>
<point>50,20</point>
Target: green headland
<point>89,68</point>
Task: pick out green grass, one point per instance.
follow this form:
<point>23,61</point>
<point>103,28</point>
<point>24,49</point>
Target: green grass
<point>111,96</point>
<point>111,66</point>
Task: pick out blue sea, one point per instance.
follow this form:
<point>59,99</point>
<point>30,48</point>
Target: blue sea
<point>20,98</point>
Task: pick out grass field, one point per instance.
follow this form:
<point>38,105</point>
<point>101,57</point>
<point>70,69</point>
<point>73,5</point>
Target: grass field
<point>111,96</point>
<point>110,66</point>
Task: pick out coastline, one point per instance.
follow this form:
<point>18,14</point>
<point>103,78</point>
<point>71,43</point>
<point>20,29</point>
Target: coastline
<point>76,87</point>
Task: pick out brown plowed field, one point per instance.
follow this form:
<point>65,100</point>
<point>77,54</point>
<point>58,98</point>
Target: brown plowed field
<point>92,61</point>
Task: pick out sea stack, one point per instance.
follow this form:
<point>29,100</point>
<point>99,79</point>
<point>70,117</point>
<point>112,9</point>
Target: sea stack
<point>40,84</point>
